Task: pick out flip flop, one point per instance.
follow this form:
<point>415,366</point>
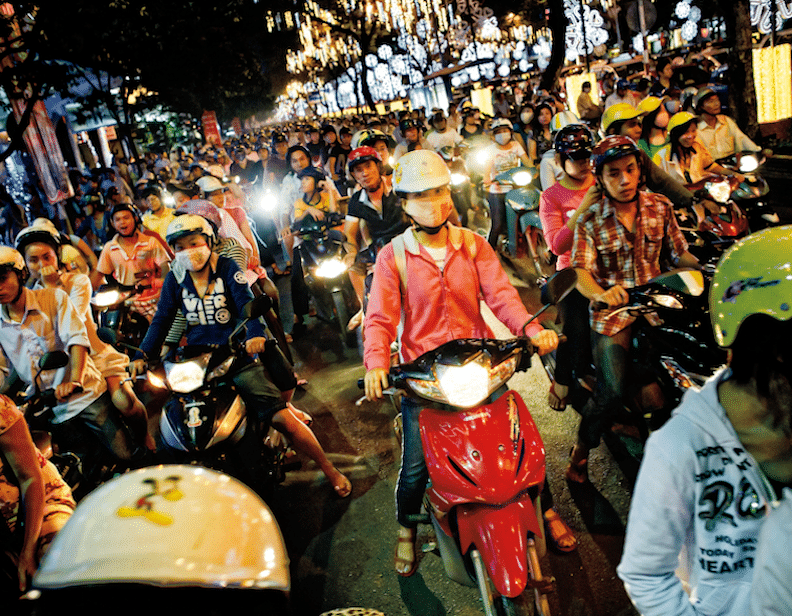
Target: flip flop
<point>562,402</point>
<point>576,472</point>
<point>553,520</point>
<point>345,489</point>
<point>397,560</point>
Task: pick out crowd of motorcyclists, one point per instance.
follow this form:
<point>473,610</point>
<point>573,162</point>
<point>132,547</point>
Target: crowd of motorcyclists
<point>197,234</point>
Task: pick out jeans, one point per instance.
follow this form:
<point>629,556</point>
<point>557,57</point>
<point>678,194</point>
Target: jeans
<point>497,205</point>
<point>104,421</point>
<point>413,474</point>
<point>611,354</point>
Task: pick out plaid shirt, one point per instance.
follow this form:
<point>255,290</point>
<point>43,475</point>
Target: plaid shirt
<point>605,249</point>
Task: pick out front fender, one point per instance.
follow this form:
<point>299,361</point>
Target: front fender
<point>501,536</point>
<point>530,219</point>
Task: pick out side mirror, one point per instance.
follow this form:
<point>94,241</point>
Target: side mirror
<point>559,286</point>
<point>107,335</point>
<point>257,307</point>
<point>53,360</point>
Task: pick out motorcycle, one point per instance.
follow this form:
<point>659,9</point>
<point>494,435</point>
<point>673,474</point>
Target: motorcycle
<point>466,199</point>
<point>522,212</point>
<point>112,306</point>
<point>729,223</point>
<point>486,463</point>
<point>672,349</point>
<point>204,419</point>
<point>325,273</point>
<point>751,194</point>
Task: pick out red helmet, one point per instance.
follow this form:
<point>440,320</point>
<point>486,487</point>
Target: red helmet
<point>361,155</point>
<point>613,148</point>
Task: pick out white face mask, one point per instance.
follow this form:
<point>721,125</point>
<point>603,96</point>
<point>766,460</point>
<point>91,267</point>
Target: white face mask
<point>526,117</point>
<point>430,212</point>
<point>503,138</point>
<point>193,259</point>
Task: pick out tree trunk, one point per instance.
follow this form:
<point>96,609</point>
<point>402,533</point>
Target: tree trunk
<point>742,95</point>
<point>557,22</point>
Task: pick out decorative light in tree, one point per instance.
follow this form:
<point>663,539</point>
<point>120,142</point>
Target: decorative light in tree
<point>595,34</point>
<point>689,30</point>
<point>524,65</point>
<point>504,70</point>
<point>543,50</point>
<point>399,65</point>
<point>762,14</point>
<point>637,43</point>
<point>371,60</point>
<point>682,9</point>
<point>695,14</point>
<point>385,52</point>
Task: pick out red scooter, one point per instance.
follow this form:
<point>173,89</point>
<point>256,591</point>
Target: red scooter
<point>486,463</point>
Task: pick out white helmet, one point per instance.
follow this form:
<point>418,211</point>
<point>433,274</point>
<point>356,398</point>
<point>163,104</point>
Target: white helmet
<point>209,183</point>
<point>418,171</point>
<point>169,525</point>
<point>187,224</point>
<point>500,123</point>
<point>11,259</point>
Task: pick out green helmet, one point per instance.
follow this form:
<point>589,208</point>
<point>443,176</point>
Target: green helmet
<point>753,277</point>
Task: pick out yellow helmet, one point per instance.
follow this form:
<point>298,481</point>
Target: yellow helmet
<point>753,277</point>
<point>649,104</point>
<point>618,113</point>
<point>679,119</point>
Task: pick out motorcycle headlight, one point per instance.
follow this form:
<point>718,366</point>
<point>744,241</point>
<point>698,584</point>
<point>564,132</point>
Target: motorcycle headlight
<point>719,191</point>
<point>748,163</point>
<point>103,299</point>
<point>482,156</point>
<point>155,380</point>
<point>457,179</point>
<point>168,200</point>
<point>465,386</point>
<point>268,202</point>
<point>522,178</point>
<point>667,301</point>
<point>184,377</point>
<point>331,268</point>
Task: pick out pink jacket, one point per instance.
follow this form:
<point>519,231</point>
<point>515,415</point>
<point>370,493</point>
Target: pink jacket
<point>438,306</point>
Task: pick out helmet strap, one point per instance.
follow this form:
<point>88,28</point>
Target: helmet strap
<point>428,230</point>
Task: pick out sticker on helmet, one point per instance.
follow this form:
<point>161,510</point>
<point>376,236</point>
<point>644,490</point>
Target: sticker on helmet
<point>738,286</point>
<point>144,506</point>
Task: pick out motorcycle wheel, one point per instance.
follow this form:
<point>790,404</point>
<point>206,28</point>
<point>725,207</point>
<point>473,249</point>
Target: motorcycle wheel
<point>505,606</point>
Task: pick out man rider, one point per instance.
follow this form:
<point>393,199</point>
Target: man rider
<point>617,246</point>
<point>719,133</point>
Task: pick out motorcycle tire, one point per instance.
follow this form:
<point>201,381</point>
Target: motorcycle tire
<point>506,606</point>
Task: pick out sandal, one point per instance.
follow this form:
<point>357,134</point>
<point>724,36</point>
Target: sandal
<point>554,521</point>
<point>561,403</point>
<point>576,471</point>
<point>397,560</point>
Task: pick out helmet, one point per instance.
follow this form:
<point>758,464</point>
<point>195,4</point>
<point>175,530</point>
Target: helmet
<point>205,209</point>
<point>169,525</point>
<point>562,119</point>
<point>11,259</point>
<point>649,104</point>
<point>216,171</point>
<point>418,171</point>
<point>46,234</point>
<point>687,96</point>
<point>752,277</point>
<point>500,123</point>
<point>613,148</point>
<point>680,119</point>
<point>702,93</point>
<point>622,84</point>
<point>409,123</point>
<point>312,172</point>
<point>574,141</point>
<point>361,155</point>
<point>188,224</point>
<point>369,136</point>
<point>120,207</point>
<point>619,112</point>
<point>209,184</point>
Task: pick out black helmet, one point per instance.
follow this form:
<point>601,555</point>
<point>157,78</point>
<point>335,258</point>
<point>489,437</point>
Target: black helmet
<point>574,141</point>
<point>119,207</point>
<point>613,148</point>
<point>408,123</point>
<point>297,148</point>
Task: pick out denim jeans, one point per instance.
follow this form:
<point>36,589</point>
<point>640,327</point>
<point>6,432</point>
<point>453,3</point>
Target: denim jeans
<point>497,205</point>
<point>611,356</point>
<point>413,474</point>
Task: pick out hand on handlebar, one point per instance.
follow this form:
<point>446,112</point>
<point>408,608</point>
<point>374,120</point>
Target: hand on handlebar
<point>137,367</point>
<point>375,381</point>
<point>545,341</point>
<point>64,390</point>
<point>614,297</point>
<point>255,345</point>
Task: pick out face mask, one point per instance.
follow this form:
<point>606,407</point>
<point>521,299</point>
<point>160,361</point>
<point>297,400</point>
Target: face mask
<point>503,138</point>
<point>430,214</point>
<point>194,259</point>
<point>526,117</point>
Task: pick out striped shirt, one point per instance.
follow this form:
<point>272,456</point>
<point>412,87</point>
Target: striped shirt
<point>615,256</point>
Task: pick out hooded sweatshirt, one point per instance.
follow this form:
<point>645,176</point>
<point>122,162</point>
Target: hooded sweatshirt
<point>699,503</point>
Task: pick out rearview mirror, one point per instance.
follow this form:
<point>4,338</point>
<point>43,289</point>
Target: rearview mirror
<point>559,286</point>
<point>257,307</point>
<point>53,360</point>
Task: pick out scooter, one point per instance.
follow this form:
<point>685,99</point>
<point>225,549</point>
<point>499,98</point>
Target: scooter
<point>204,419</point>
<point>112,306</point>
<point>751,194</point>
<point>486,463</point>
<point>522,212</point>
<point>325,273</point>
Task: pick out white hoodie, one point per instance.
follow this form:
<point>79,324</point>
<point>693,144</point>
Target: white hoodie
<point>699,503</point>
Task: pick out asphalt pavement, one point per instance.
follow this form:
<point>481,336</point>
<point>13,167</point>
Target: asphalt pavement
<point>341,550</point>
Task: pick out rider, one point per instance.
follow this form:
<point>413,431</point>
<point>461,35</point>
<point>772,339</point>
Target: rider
<point>617,246</point>
<point>709,475</point>
<point>318,198</point>
<point>384,144</point>
<point>211,291</point>
<point>41,248</point>
<point>411,132</point>
<point>373,211</point>
<point>441,135</point>
<point>440,303</point>
<point>560,208</point>
<point>37,321</point>
<point>719,133</point>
